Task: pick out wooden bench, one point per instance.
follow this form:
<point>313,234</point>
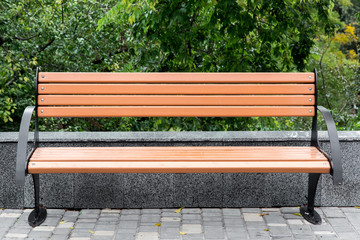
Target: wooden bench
<point>178,95</point>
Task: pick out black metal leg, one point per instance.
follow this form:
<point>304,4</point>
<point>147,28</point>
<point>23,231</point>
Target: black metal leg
<point>307,211</point>
<point>38,215</point>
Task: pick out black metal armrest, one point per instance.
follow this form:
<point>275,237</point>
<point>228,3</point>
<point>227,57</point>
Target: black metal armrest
<point>21,156</point>
<point>335,156</point>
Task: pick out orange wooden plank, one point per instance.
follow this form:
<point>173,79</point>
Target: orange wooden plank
<point>177,111</point>
<point>177,77</point>
<point>208,153</point>
<point>168,100</point>
<point>179,167</point>
<point>176,89</point>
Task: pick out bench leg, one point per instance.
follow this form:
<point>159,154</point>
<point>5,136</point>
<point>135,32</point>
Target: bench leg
<point>38,215</point>
<point>307,211</point>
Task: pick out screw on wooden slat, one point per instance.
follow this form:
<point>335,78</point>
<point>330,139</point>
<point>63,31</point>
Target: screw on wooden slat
<point>309,99</point>
<point>42,111</point>
<point>42,99</point>
<point>43,76</point>
<point>309,77</point>
<point>310,88</point>
<point>310,111</point>
<point>42,88</point>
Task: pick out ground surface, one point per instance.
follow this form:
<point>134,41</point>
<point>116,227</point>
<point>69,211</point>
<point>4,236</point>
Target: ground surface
<point>187,223</point>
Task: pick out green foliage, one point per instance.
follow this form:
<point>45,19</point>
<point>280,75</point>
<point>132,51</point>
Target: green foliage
<point>178,36</point>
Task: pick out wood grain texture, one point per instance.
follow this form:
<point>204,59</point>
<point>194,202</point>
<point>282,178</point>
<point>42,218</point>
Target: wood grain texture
<point>176,100</point>
<point>71,77</point>
<point>179,167</point>
<point>177,111</point>
<point>181,89</point>
<point>178,160</point>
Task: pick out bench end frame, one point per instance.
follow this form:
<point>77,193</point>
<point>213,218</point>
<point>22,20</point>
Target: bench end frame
<point>335,156</point>
<point>21,153</point>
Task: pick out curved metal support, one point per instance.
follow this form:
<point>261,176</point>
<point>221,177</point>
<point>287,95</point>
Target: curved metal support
<point>21,157</point>
<point>335,156</point>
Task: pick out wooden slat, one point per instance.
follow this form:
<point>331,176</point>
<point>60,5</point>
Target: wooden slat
<point>177,77</point>
<point>166,100</point>
<point>208,153</point>
<point>176,89</point>
<point>179,167</point>
<point>177,111</point>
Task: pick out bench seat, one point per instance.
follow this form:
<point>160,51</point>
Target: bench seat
<point>213,159</point>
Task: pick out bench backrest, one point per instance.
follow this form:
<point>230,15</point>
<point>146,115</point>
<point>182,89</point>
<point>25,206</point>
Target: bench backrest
<point>175,94</point>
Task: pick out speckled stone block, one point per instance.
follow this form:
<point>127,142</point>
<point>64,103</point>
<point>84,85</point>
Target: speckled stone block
<point>56,191</point>
<point>198,190</point>
<point>244,190</point>
<point>349,193</point>
<point>12,196</point>
<point>98,190</point>
<point>148,190</point>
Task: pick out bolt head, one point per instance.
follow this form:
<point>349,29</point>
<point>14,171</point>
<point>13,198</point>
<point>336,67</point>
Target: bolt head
<point>309,99</point>
<point>43,76</point>
<point>42,99</point>
<point>310,111</point>
<point>310,88</point>
<point>42,88</point>
<point>309,77</point>
<point>42,111</point>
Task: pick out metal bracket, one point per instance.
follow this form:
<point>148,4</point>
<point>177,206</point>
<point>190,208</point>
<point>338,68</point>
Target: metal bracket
<point>21,158</point>
<point>335,156</point>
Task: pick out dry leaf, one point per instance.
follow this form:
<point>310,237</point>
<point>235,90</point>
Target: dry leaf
<point>182,233</point>
<point>297,214</point>
<point>263,214</point>
<point>157,224</point>
<point>266,230</point>
<point>357,207</point>
<point>63,222</point>
<point>178,210</point>
<point>71,227</point>
<point>91,232</point>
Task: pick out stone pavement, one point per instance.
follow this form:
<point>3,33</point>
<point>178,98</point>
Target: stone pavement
<point>187,223</point>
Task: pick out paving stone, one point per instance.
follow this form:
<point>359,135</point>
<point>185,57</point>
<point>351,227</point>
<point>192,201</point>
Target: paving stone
<point>211,210</point>
<point>86,220</point>
<point>192,221</point>
<point>89,226</point>
<point>274,217</point>
<point>151,211</point>
<point>350,210</point>
<point>16,235</point>
<point>170,219</point>
<point>104,233</point>
<point>62,231</point>
<point>348,235</point>
<point>295,222</point>
<point>234,222</point>
<point>191,210</point>
<point>270,209</point>
<point>66,225</point>
<point>148,228</point>
<point>43,229</point>
<point>170,214</point>
<point>108,227</point>
<point>250,210</point>
<point>212,218</point>
<point>130,211</point>
<point>129,217</point>
<point>90,211</point>
<point>19,230</point>
<point>289,209</point>
<point>109,210</point>
<point>191,228</point>
<point>279,231</point>
<point>231,211</point>
<point>252,217</point>
<point>150,218</point>
<point>40,234</point>
<point>191,216</point>
<point>332,212</point>
<point>198,236</point>
<point>211,223</point>
<point>56,212</point>
<point>10,215</point>
<point>147,236</point>
<point>80,233</point>
<point>128,224</point>
<point>8,210</point>
<point>125,236</point>
<point>354,218</point>
<point>59,237</point>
